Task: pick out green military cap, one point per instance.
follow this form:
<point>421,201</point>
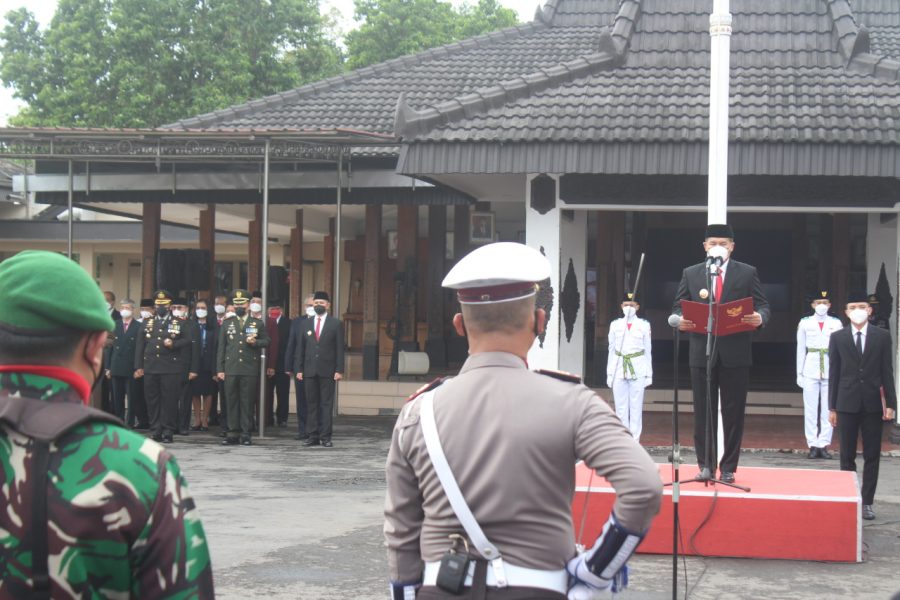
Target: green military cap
<point>162,297</point>
<point>240,297</point>
<point>42,290</point>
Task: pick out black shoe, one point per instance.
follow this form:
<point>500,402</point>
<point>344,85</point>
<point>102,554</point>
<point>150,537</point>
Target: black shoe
<point>230,441</point>
<point>282,423</point>
<point>246,441</point>
<point>813,453</point>
<point>182,432</point>
<point>824,453</point>
<point>310,442</point>
<point>156,438</point>
<point>727,477</point>
<point>704,474</point>
<point>167,439</point>
<point>327,443</point>
<point>196,428</point>
<point>301,437</point>
<point>224,433</point>
<point>867,513</point>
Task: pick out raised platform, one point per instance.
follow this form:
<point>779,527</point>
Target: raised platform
<point>797,514</point>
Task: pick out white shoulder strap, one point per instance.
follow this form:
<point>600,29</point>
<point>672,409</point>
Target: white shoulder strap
<point>451,488</point>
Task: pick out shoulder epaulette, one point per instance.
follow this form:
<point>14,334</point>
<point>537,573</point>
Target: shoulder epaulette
<point>435,383</point>
<point>561,375</point>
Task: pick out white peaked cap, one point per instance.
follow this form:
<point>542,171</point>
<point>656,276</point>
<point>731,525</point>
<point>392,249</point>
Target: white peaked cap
<point>497,272</point>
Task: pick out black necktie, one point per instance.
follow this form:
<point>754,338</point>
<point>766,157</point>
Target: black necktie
<point>859,341</point>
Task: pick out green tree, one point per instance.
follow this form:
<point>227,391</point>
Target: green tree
<point>144,63</point>
<point>392,28</point>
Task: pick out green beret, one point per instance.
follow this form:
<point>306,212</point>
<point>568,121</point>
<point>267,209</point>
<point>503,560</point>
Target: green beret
<point>44,290</point>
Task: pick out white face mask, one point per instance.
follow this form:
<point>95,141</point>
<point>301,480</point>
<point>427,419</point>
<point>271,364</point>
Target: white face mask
<point>858,315</point>
<point>109,306</point>
<point>126,314</point>
<point>310,311</point>
<point>201,313</point>
<point>146,314</point>
<point>220,309</point>
<point>229,314</point>
<point>178,313</point>
<point>718,252</point>
<point>254,307</point>
<point>821,309</point>
<point>629,311</point>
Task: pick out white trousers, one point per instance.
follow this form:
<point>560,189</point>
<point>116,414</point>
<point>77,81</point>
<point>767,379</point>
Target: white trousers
<point>815,413</point>
<point>629,397</point>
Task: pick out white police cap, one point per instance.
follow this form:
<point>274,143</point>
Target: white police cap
<point>498,272</point>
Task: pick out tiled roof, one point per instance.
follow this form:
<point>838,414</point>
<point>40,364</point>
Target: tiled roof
<point>366,99</point>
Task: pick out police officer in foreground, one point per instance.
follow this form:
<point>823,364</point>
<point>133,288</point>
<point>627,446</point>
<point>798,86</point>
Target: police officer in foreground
<point>241,340</point>
<point>89,508</point>
<point>511,438</point>
<point>159,359</point>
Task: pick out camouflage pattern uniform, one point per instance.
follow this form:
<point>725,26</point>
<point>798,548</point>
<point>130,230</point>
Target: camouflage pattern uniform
<point>153,545</point>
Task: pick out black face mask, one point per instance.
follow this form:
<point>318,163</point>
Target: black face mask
<point>240,311</point>
<point>162,311</point>
<point>320,310</point>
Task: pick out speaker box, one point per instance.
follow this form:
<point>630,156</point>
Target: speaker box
<point>197,269</point>
<point>170,270</point>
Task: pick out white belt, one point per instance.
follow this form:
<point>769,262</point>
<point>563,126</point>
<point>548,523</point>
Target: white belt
<point>557,581</point>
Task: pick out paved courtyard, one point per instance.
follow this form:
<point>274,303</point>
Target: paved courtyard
<point>285,522</point>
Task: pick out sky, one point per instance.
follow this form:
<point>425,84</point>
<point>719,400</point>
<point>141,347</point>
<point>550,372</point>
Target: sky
<point>44,9</point>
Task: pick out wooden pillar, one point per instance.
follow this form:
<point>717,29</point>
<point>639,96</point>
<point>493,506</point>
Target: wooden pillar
<point>208,243</point>
<point>435,344</point>
<point>371,278</point>
<point>296,274</point>
<point>407,258</point>
<point>610,282</point>
<point>840,260</point>
<point>460,231</point>
<point>798,304</point>
<point>254,251</point>
<point>149,247</point>
<point>328,263</point>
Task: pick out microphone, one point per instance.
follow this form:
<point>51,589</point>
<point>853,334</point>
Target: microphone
<point>714,260</point>
<point>674,320</point>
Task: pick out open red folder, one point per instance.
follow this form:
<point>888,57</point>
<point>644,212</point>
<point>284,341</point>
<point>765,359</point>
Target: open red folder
<point>726,317</point>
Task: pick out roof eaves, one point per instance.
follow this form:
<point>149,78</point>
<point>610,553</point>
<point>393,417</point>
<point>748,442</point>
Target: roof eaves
<point>312,89</point>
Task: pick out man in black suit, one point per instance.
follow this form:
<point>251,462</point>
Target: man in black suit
<point>320,365</point>
<point>119,362</point>
<point>731,355</point>
<point>298,327</point>
<point>278,382</point>
<point>861,394</point>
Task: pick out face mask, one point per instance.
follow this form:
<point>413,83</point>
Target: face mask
<point>229,315</point>
<point>821,309</point>
<point>718,252</point>
<point>859,315</point>
<point>310,311</point>
<point>126,314</point>
<point>255,307</point>
<point>109,306</point>
<point>320,310</point>
<point>178,313</point>
<point>240,311</point>
<point>146,314</point>
<point>220,309</point>
<point>629,311</point>
<point>274,314</point>
<point>201,313</point>
<point>162,311</point>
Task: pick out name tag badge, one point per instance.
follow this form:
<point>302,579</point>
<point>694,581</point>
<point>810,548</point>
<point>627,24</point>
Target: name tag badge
<point>251,331</point>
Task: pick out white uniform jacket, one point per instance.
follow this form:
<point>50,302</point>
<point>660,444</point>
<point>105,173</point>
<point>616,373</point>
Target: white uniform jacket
<point>811,342</point>
<point>628,343</point>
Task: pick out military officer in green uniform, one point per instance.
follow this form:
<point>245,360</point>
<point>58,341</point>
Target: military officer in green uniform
<point>241,340</point>
<point>159,358</point>
<point>89,508</point>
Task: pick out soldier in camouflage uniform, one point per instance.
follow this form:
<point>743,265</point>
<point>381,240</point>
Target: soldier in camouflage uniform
<point>88,509</point>
<point>241,340</point>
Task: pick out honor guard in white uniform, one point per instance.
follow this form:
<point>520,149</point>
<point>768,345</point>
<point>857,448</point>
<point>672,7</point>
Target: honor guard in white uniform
<point>481,468</point>
<point>813,335</point>
<point>629,368</point>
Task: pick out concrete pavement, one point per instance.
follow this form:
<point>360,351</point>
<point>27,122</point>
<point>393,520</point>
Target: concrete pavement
<point>285,522</point>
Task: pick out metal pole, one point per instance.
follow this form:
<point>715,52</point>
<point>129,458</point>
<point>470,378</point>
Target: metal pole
<point>337,263</point>
<point>70,226</point>
<point>720,46</point>
<point>25,190</point>
<point>265,284</point>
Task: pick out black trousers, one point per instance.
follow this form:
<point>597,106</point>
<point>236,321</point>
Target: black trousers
<point>240,393</point>
<point>220,407</point>
<point>319,406</point>
<point>136,412</point>
<point>871,425</point>
<point>184,405</point>
<point>732,382</point>
<point>123,387</point>
<point>278,387</point>
<point>300,392</point>
<point>162,391</point>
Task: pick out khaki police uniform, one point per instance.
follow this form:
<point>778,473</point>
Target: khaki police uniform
<point>240,361</point>
<point>813,335</point>
<point>629,369</point>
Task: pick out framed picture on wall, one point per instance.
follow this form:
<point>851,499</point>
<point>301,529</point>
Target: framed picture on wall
<point>481,230</point>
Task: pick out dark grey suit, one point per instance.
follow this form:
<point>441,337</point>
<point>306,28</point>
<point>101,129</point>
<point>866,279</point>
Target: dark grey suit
<point>318,360</point>
<point>731,360</point>
<point>854,391</point>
